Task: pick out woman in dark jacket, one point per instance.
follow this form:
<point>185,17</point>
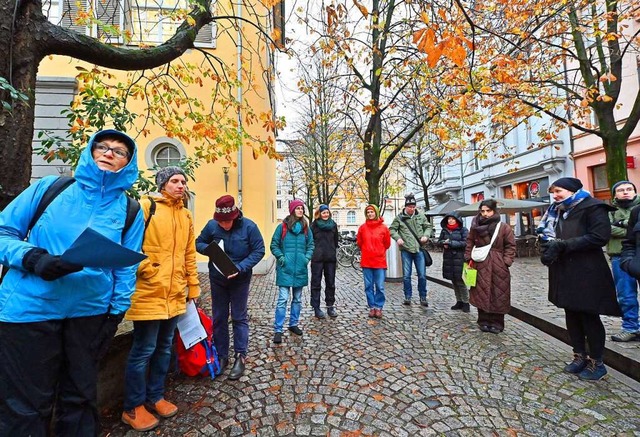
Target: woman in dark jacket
<point>325,238</point>
<point>492,292</point>
<point>453,239</point>
<point>572,233</point>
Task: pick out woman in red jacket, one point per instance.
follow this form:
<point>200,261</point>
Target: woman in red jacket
<point>374,239</point>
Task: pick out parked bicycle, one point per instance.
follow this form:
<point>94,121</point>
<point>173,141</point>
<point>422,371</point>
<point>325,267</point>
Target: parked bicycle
<point>348,252</point>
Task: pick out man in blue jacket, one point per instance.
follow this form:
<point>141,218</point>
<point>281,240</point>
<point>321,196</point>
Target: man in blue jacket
<point>57,318</point>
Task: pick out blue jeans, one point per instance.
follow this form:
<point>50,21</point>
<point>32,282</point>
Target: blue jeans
<point>627,292</point>
<point>374,287</point>
<point>281,307</point>
<point>151,349</point>
<point>418,259</point>
<point>235,294</point>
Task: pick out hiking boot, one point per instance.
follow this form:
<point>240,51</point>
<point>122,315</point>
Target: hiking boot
<point>484,328</point>
<point>295,330</point>
<point>407,301</point>
<point>372,313</point>
<point>224,362</point>
<point>494,329</point>
<point>594,371</point>
<point>624,336</point>
<point>424,302</point>
<point>331,312</point>
<point>319,313</point>
<point>140,419</point>
<point>277,337</point>
<point>164,408</point>
<point>238,368</point>
<point>577,365</point>
<point>458,305</point>
<point>466,308</point>
<point>378,314</point>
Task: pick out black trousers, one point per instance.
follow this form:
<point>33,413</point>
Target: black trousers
<point>329,270</point>
<point>581,325</point>
<point>43,364</point>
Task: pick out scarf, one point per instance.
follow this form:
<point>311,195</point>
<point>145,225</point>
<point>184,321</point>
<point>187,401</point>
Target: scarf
<point>547,228</point>
<point>326,225</point>
<point>485,226</point>
<point>453,227</point>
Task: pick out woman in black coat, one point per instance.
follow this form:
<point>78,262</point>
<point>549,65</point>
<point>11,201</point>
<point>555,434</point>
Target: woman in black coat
<point>325,237</point>
<point>453,239</point>
<point>572,233</point>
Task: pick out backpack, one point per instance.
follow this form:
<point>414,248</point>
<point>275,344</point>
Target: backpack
<point>57,187</point>
<point>284,231</point>
<point>201,358</point>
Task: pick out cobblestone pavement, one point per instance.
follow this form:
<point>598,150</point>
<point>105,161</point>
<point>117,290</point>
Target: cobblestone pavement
<point>415,372</point>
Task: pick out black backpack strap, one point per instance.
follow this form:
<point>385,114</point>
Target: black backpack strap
<point>52,192</point>
<point>152,211</point>
<point>133,206</point>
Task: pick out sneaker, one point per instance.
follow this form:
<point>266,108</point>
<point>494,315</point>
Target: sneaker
<point>372,313</point>
<point>379,313</point>
<point>331,312</point>
<point>319,313</point>
<point>457,306</point>
<point>164,408</point>
<point>466,308</point>
<point>424,302</point>
<point>140,419</point>
<point>407,301</point>
<point>277,337</point>
<point>577,365</point>
<point>624,336</point>
<point>295,330</point>
<point>594,371</point>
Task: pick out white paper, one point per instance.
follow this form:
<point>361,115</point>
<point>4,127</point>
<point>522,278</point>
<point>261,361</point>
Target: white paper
<point>191,330</point>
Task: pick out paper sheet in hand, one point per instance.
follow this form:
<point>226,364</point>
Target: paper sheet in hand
<point>92,249</point>
<point>220,259</point>
<point>191,330</point>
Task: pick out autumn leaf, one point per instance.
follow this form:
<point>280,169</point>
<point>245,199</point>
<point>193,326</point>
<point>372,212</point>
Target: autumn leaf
<point>362,8</point>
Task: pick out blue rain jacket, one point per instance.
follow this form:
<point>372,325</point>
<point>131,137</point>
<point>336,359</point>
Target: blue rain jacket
<point>96,200</point>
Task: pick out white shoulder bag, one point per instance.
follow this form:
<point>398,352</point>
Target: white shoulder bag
<point>479,254</point>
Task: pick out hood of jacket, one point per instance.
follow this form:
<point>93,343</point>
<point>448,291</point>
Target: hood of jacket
<point>375,208</point>
<point>107,182</point>
<point>443,222</point>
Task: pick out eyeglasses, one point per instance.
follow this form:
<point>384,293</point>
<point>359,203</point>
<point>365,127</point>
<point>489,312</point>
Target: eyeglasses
<point>623,190</point>
<point>117,152</point>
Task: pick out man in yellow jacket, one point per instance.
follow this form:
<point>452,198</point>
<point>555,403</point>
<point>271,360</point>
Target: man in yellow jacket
<point>166,280</point>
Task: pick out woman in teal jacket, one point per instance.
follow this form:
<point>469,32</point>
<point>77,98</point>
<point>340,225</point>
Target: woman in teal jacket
<point>56,318</point>
<point>292,245</point>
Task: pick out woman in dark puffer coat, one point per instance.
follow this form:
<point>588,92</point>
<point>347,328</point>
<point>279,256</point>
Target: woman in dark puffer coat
<point>453,239</point>
<point>492,292</point>
<point>325,238</point>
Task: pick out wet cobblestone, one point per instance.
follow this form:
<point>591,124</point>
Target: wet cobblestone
<point>416,372</point>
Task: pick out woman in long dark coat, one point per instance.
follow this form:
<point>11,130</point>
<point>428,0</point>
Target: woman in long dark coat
<point>492,293</point>
<point>325,237</point>
<point>572,233</point>
<point>453,239</point>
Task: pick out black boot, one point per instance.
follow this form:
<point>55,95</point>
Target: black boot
<point>457,306</point>
<point>224,362</point>
<point>465,307</point>
<point>238,368</point>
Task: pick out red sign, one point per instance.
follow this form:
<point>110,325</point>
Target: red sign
<point>534,189</point>
<point>631,162</point>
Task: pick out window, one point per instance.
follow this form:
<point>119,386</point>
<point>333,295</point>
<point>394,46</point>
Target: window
<point>166,155</point>
<point>279,204</point>
<point>351,218</point>
<point>335,215</point>
<point>599,174</point>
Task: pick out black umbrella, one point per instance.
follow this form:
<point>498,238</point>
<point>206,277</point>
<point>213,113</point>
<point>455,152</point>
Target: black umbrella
<point>446,207</point>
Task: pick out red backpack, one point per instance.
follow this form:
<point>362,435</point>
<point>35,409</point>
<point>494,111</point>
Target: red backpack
<point>201,358</point>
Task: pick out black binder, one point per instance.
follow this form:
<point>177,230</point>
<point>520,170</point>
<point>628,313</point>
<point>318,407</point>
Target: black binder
<point>220,260</point>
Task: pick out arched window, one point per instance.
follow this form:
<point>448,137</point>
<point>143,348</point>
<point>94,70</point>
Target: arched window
<point>351,218</point>
<point>163,152</point>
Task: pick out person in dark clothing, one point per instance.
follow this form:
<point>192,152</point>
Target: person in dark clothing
<point>244,244</point>
<point>453,239</point>
<point>572,233</point>
<point>325,238</point>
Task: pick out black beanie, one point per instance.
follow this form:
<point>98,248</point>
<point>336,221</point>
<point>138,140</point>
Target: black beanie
<point>617,184</point>
<point>409,199</point>
<point>571,184</point>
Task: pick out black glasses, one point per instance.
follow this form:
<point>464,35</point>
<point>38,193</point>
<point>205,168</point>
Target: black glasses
<point>117,152</point>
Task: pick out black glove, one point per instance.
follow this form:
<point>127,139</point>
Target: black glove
<point>620,224</point>
<point>105,335</point>
<point>39,262</point>
<point>551,251</point>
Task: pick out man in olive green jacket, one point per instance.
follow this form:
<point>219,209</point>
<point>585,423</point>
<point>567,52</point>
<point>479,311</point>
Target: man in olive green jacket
<point>625,199</point>
<point>411,220</point>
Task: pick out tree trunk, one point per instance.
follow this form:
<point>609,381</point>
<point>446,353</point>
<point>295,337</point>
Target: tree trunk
<point>615,148</point>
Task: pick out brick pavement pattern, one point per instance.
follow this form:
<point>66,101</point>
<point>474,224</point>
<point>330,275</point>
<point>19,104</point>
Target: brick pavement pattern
<point>416,372</point>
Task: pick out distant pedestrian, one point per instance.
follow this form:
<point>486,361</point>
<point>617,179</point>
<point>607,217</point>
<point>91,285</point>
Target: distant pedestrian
<point>243,243</point>
<point>572,233</point>
<point>292,246</point>
<point>625,199</point>
<point>411,230</point>
<point>373,239</point>
<point>167,280</point>
<point>492,292</point>
<point>325,238</point>
<point>453,239</point>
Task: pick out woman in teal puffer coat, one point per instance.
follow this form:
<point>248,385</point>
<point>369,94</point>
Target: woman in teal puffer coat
<point>292,245</point>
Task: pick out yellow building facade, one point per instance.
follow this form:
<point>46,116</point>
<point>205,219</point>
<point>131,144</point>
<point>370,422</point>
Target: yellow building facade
<point>250,179</point>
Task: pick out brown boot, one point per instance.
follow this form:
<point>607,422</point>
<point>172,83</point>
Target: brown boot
<point>140,419</point>
<point>164,408</point>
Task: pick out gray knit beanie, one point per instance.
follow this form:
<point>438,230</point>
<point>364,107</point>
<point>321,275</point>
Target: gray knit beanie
<point>164,174</point>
